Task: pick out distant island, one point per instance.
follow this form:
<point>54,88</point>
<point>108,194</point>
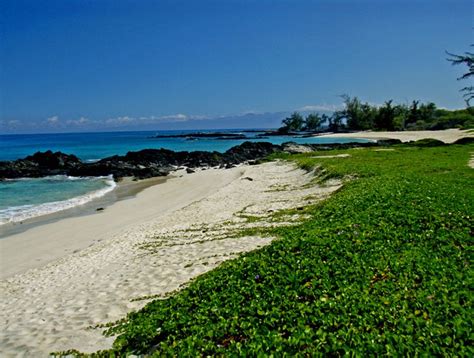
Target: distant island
<point>212,135</point>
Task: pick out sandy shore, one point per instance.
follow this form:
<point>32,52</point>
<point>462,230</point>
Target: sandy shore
<point>447,136</point>
<point>61,278</point>
<point>126,188</point>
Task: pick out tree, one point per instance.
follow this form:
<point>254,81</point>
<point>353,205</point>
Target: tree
<point>335,122</point>
<point>401,115</point>
<point>419,115</point>
<point>359,116</point>
<point>367,116</point>
<point>468,60</point>
<point>413,114</point>
<point>313,122</point>
<point>428,111</point>
<point>351,112</point>
<point>293,123</point>
<point>385,118</point>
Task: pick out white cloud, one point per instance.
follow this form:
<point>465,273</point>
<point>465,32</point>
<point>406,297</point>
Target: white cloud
<point>78,122</point>
<point>321,107</point>
<point>199,117</point>
<point>375,104</point>
<point>13,122</point>
<point>126,120</point>
<point>251,112</point>
<point>180,117</point>
<point>175,117</point>
<point>10,124</point>
<point>53,120</point>
<point>120,120</point>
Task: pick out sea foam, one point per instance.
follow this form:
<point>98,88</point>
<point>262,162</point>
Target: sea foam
<point>15,214</point>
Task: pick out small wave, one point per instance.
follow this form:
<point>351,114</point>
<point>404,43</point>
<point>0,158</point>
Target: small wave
<point>24,212</point>
<point>58,177</point>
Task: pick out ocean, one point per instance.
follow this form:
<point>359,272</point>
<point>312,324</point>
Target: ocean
<point>23,199</point>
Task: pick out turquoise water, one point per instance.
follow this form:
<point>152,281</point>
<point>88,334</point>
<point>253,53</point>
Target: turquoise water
<point>27,198</point>
<point>93,146</point>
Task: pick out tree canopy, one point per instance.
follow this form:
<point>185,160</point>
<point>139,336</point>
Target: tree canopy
<point>294,122</point>
<point>357,115</point>
<point>468,60</point>
<point>313,122</point>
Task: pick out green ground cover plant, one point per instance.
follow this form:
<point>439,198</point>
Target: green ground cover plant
<point>383,267</point>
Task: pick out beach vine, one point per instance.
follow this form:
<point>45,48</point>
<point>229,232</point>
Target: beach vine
<point>383,267</point>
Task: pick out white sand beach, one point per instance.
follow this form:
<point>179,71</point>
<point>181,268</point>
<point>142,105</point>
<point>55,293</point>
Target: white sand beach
<point>447,135</point>
<point>61,278</point>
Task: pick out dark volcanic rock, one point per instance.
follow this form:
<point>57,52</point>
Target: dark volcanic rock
<point>120,169</point>
<point>50,160</point>
<point>250,151</point>
<point>145,163</point>
<point>388,142</point>
<point>40,164</point>
<point>328,146</point>
<point>153,162</point>
<point>213,135</point>
<point>465,140</point>
<point>278,132</point>
<point>237,136</point>
<point>428,142</point>
<point>218,135</point>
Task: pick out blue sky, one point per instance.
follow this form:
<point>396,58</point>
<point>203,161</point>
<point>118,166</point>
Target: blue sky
<point>79,65</point>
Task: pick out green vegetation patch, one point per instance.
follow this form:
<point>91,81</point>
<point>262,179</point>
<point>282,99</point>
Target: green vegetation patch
<point>357,115</point>
<point>381,267</point>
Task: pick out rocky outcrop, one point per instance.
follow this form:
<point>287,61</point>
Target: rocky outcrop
<point>465,140</point>
<point>214,135</point>
<point>40,164</point>
<point>146,163</point>
<point>249,151</point>
<point>149,163</point>
<point>294,148</point>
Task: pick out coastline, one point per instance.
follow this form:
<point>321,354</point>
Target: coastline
<point>446,136</point>
<point>57,235</point>
<point>25,232</point>
<point>126,188</point>
<point>62,278</point>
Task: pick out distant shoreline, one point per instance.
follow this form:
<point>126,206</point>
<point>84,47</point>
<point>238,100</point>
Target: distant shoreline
<point>446,135</point>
